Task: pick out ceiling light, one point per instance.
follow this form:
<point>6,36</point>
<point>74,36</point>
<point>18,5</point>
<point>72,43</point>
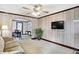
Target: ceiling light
<point>36,13</point>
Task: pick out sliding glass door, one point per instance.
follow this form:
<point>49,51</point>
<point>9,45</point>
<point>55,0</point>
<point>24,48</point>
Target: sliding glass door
<point>19,26</point>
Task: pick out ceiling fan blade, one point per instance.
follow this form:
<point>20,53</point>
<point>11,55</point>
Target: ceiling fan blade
<point>28,13</point>
<point>46,11</point>
<point>26,8</point>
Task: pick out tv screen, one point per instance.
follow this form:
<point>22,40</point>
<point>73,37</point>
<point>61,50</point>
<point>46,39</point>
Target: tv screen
<point>57,25</point>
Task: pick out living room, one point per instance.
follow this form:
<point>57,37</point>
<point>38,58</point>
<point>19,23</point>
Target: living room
<point>63,37</point>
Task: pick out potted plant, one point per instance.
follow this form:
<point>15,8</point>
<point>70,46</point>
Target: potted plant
<point>39,33</point>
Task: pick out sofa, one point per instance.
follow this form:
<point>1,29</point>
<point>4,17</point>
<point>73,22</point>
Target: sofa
<point>10,46</point>
<point>1,45</point>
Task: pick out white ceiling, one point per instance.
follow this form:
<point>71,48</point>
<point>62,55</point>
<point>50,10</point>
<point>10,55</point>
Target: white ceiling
<point>17,8</point>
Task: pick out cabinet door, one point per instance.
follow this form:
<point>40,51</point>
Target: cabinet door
<point>69,28</point>
<point>76,10</point>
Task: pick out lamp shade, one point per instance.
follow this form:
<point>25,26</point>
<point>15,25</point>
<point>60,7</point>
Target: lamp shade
<point>4,27</point>
<point>5,32</point>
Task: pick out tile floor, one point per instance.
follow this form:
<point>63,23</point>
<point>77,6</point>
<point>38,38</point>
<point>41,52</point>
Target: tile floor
<point>42,47</point>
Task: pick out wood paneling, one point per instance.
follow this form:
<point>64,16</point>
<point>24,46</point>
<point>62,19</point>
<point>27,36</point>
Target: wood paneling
<point>76,14</point>
<point>69,30</point>
<point>65,36</point>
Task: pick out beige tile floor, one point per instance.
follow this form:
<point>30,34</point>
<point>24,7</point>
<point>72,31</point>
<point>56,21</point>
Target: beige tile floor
<point>42,47</point>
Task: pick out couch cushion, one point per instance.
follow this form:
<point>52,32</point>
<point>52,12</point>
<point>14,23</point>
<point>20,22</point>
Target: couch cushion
<point>12,44</point>
<point>7,39</point>
<point>15,48</point>
<point>1,44</point>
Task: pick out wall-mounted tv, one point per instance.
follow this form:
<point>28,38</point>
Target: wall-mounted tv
<point>57,25</point>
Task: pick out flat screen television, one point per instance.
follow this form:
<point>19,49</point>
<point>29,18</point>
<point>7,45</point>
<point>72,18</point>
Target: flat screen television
<point>57,25</point>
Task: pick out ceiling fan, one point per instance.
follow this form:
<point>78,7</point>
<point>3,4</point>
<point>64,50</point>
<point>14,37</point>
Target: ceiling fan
<point>37,10</point>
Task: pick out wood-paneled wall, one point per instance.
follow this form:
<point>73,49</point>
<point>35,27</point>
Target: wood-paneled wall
<point>65,36</point>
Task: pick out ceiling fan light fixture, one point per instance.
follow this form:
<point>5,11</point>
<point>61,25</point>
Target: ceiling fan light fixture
<point>38,8</point>
<point>35,13</point>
